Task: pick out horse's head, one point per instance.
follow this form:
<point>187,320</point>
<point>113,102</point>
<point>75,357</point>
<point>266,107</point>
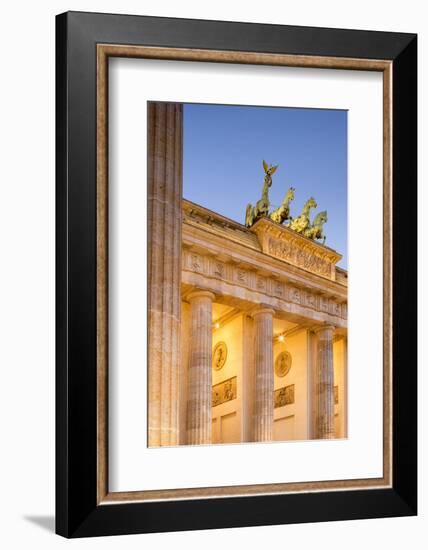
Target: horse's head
<point>290,195</point>
<point>321,218</point>
<point>311,203</point>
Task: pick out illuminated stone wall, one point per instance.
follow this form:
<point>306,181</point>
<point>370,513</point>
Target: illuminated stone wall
<point>291,420</point>
<point>227,417</point>
<point>339,365</point>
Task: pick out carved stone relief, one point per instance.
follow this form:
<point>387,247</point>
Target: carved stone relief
<point>283,363</point>
<point>261,283</point>
<point>219,269</point>
<point>196,262</point>
<point>219,355</point>
<point>284,244</point>
<point>284,396</point>
<point>241,276</point>
<point>223,392</point>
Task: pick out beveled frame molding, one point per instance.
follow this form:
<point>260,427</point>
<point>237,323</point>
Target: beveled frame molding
<point>104,52</point>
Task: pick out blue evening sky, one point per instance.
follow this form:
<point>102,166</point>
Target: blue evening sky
<point>223,151</point>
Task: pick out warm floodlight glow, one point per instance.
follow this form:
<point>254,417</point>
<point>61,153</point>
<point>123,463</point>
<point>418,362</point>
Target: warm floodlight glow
<point>281,337</point>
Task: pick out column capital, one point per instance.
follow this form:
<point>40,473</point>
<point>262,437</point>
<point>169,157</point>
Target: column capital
<point>263,309</point>
<point>324,328</point>
<point>200,293</point>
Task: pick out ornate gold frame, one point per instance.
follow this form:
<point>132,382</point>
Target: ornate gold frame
<point>104,51</point>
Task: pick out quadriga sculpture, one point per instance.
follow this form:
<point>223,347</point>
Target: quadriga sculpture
<point>301,224</point>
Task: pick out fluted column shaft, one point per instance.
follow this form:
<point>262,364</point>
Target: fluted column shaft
<point>199,416</point>
<point>324,388</point>
<point>165,152</point>
<point>264,380</point>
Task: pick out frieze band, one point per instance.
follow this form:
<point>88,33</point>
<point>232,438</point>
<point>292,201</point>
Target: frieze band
<point>206,265</point>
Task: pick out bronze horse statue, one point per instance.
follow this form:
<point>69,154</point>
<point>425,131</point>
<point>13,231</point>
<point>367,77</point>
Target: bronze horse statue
<point>281,214</point>
<point>302,222</point>
<point>315,231</point>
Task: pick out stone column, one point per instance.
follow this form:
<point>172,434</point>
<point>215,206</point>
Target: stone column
<point>164,171</point>
<point>264,381</point>
<point>199,417</point>
<point>324,387</point>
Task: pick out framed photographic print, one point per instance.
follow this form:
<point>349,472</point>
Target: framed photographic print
<point>236,274</point>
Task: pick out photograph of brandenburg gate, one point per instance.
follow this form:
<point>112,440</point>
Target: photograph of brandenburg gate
<point>247,324</point>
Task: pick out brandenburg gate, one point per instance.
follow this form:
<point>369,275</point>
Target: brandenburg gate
<point>247,323</point>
